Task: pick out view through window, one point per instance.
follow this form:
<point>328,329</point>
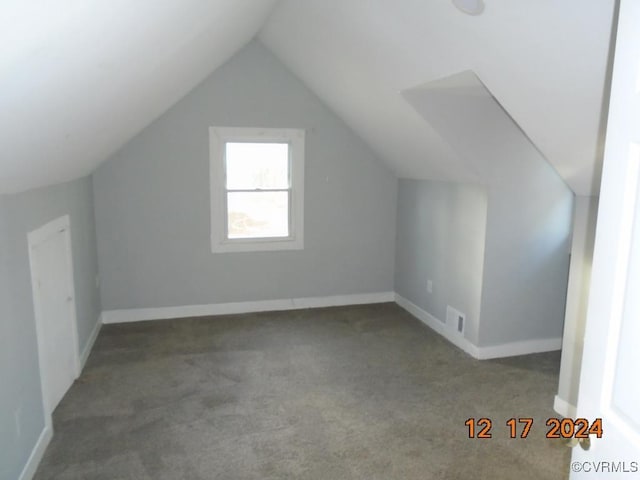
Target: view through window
<point>258,189</point>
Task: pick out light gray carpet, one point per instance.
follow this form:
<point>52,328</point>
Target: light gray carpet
<point>363,392</point>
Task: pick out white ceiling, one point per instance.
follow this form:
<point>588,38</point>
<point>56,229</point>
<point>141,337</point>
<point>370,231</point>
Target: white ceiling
<point>78,78</point>
<point>544,61</point>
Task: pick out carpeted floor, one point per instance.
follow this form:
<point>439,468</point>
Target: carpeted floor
<point>364,392</point>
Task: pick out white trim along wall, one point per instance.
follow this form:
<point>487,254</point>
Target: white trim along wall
<point>140,314</point>
<point>37,453</point>
<point>480,353</point>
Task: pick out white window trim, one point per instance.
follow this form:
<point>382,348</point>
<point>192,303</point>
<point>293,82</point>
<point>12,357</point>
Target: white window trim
<point>218,137</point>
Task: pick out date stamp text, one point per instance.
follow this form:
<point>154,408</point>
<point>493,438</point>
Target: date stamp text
<point>520,427</point>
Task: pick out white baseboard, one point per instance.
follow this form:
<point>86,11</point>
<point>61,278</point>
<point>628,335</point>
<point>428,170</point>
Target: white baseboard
<point>438,326</point>
<point>511,349</point>
<point>526,347</point>
<point>37,453</point>
<point>184,311</point>
<point>564,408</point>
<point>140,314</point>
<point>90,341</point>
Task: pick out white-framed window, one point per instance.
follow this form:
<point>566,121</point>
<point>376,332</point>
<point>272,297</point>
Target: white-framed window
<point>257,189</point>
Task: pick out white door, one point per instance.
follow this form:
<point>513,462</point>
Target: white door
<point>610,377</point>
<point>54,305</point>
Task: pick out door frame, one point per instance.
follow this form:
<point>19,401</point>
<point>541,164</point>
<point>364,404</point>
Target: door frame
<point>35,238</point>
<point>611,283</point>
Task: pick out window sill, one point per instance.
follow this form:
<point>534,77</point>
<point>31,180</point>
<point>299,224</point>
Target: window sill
<point>256,245</point>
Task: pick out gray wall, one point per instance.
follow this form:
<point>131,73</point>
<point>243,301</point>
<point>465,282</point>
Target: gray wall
<point>528,212</point>
<point>152,201</point>
<point>440,237</point>
<point>526,260</point>
<point>20,214</point>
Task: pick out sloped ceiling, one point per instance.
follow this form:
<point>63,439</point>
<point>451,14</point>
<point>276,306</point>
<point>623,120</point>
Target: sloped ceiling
<point>545,61</point>
<point>78,78</point>
<point>465,113</point>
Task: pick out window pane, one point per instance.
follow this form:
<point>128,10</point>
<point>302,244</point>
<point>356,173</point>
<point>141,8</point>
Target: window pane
<point>257,165</point>
<point>258,214</point>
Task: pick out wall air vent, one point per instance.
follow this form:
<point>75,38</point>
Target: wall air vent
<point>455,320</point>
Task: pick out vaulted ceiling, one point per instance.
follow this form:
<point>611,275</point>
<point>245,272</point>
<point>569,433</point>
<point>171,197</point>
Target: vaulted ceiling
<point>543,60</point>
<point>80,78</point>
